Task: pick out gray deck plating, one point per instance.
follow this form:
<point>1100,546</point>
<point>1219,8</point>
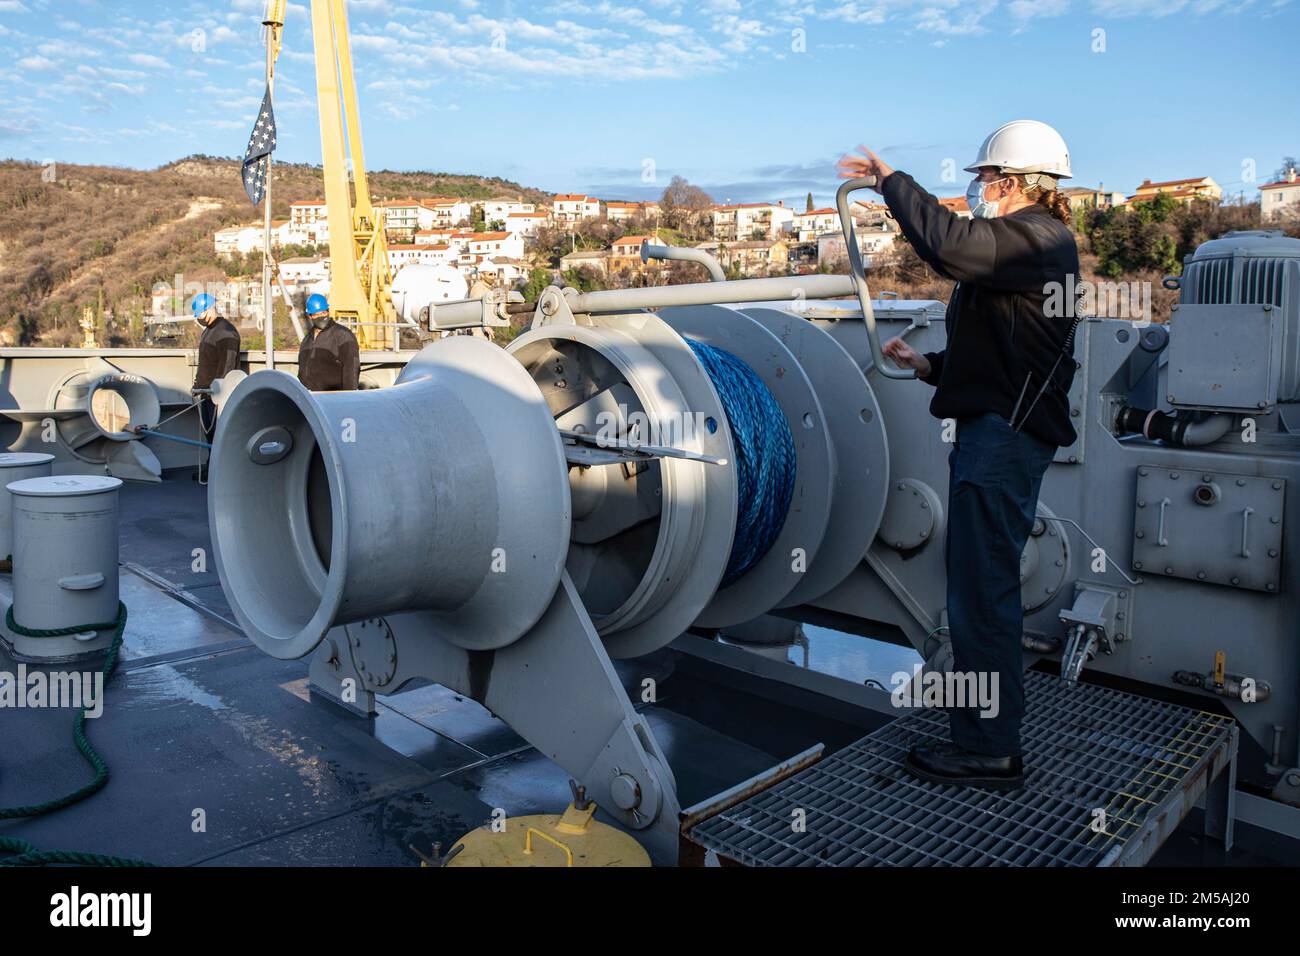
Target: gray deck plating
<point>197,718</point>
<point>1095,756</point>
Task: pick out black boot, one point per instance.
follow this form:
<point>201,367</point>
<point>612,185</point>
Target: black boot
<point>948,763</point>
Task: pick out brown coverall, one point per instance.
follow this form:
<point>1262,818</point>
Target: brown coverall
<point>218,357</point>
<point>329,360</point>
<point>218,352</point>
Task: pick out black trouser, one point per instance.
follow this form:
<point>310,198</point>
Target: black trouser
<point>208,425</point>
<point>994,478</point>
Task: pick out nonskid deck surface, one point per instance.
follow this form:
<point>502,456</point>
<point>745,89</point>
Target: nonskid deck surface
<point>219,757</point>
<point>1102,768</point>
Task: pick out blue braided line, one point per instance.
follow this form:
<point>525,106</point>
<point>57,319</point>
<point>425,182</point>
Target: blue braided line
<point>765,456</point>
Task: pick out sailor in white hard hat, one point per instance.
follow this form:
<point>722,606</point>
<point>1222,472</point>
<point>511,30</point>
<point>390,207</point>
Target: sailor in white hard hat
<point>1004,377</point>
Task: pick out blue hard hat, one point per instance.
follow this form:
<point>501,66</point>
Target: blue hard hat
<point>202,303</point>
<point>317,304</point>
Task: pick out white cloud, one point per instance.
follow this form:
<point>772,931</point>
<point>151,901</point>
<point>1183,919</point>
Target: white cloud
<point>149,60</point>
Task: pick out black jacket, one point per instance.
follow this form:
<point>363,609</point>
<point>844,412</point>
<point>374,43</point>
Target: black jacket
<point>998,333</point>
<point>218,353</point>
<point>329,360</point>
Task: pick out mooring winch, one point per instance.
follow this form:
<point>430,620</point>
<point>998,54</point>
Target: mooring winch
<point>507,522</point>
<point>471,524</point>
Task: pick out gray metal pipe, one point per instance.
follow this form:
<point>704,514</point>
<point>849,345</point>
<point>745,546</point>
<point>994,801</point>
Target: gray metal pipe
<point>1206,432</point>
<point>860,277</point>
<point>684,254</point>
<point>1176,429</point>
<point>469,313</point>
<point>791,288</point>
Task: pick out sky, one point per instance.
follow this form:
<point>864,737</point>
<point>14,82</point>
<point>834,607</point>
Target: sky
<point>752,100</point>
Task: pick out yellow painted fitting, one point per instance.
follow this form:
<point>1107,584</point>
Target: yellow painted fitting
<point>528,844</point>
<point>579,839</point>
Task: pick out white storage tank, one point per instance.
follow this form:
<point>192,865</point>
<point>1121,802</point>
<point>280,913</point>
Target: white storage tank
<point>65,531</point>
<point>16,466</point>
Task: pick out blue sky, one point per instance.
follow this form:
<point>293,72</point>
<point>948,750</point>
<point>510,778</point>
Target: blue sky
<point>753,100</point>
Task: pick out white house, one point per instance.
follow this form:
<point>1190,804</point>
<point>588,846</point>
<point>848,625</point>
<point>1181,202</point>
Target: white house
<point>748,221</point>
<point>443,212</point>
<point>505,269</point>
<point>308,213</point>
<point>496,245</point>
<point>525,224</point>
<point>594,259</point>
<point>241,240</point>
<point>617,211</point>
<point>1277,200</point>
<point>499,210</point>
<point>238,240</point>
<point>402,217</point>
<point>809,225</point>
<point>872,241</point>
<point>432,237</point>
<point>574,208</point>
<point>304,271</point>
<point>408,253</point>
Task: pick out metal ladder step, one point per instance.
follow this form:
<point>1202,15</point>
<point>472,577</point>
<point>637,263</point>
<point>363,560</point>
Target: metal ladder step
<point>1109,776</point>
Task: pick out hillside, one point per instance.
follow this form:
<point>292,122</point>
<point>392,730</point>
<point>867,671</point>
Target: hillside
<point>102,236</point>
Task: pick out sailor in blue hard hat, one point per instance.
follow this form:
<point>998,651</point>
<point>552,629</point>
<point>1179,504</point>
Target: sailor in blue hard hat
<point>204,308</point>
<point>318,310</point>
<point>219,344</point>
<point>219,348</point>
<point>329,359</point>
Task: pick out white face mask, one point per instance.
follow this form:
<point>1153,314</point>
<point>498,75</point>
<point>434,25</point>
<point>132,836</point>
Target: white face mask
<point>980,207</point>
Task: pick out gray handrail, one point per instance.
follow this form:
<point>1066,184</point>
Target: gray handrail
<point>860,277</point>
<point>684,254</point>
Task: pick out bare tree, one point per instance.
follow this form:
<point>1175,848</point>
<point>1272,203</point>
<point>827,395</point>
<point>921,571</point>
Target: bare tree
<point>683,205</point>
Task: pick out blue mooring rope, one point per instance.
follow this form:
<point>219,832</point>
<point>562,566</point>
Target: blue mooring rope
<point>765,456</point>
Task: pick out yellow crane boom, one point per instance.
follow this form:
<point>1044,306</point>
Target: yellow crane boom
<point>360,274</point>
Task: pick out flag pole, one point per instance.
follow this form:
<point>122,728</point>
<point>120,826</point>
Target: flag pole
<point>268,307</point>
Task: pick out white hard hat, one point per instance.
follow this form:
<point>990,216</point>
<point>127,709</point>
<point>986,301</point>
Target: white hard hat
<point>1025,146</point>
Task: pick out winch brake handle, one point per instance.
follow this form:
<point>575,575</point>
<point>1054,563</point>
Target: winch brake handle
<point>860,277</point>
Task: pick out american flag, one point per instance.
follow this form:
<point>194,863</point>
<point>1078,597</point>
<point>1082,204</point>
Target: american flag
<point>257,160</point>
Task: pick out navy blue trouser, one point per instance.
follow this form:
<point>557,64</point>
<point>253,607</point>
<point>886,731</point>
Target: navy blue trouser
<point>994,478</point>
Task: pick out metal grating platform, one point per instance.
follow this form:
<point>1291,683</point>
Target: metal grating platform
<point>1087,748</point>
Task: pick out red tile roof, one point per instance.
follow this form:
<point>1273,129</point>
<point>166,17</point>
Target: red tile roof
<point>1148,184</point>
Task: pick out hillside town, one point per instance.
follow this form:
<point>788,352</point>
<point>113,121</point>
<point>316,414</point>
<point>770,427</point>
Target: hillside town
<point>596,243</point>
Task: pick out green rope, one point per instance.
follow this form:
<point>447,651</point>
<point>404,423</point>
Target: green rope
<point>28,855</point>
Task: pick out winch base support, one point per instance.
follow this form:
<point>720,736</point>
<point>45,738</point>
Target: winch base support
<point>556,687</point>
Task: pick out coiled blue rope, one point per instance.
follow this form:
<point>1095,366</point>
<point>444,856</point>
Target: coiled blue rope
<point>765,457</point>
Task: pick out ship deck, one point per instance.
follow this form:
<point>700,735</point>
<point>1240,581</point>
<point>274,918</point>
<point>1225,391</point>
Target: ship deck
<point>200,724</point>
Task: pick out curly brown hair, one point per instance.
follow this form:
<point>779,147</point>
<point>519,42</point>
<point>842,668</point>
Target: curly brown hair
<point>1057,203</point>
